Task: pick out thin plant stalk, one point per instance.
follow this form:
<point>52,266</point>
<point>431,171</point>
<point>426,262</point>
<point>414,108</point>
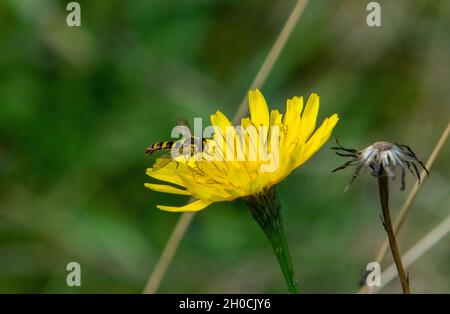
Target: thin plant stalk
<point>416,251</point>
<point>383,186</point>
<point>280,247</point>
<point>266,210</point>
<point>411,197</point>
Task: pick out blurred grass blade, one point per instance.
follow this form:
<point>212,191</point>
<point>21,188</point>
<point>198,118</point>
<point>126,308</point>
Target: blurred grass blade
<point>418,250</point>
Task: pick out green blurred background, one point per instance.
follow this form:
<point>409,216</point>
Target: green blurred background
<point>78,106</point>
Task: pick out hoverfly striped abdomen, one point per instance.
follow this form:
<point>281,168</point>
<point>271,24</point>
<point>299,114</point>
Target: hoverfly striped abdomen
<point>159,146</point>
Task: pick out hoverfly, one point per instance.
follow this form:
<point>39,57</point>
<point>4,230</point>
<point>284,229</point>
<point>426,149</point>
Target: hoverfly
<point>194,143</point>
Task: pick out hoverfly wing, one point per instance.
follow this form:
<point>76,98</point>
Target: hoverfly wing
<point>161,162</point>
<point>186,141</point>
<point>182,121</point>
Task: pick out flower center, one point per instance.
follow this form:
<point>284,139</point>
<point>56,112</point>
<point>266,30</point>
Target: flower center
<point>381,146</point>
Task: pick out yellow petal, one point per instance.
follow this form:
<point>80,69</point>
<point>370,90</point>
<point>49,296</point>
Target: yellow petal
<point>220,120</point>
<point>294,107</point>
<point>309,116</point>
<point>203,190</point>
<point>220,123</point>
<point>251,140</point>
<point>166,189</point>
<point>258,108</point>
<point>246,122</point>
<point>275,117</point>
<point>320,136</point>
<point>275,121</point>
<point>292,125</point>
<point>191,207</point>
<point>167,174</point>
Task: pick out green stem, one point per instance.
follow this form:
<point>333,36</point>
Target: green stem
<point>266,209</point>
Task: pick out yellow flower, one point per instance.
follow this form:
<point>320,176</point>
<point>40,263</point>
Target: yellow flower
<point>209,180</point>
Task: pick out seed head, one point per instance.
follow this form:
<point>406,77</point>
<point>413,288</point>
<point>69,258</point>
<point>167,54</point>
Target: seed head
<point>383,158</point>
